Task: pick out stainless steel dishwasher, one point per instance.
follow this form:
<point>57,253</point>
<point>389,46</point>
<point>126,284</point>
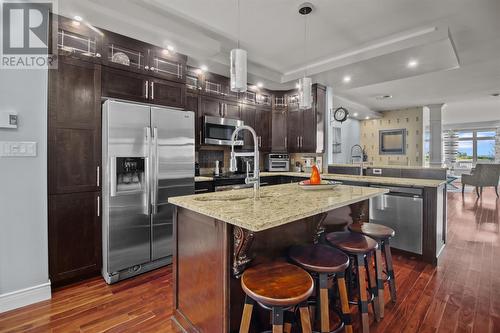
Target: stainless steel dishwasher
<point>401,210</point>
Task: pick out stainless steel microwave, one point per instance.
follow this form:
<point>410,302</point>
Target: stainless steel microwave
<point>218,131</point>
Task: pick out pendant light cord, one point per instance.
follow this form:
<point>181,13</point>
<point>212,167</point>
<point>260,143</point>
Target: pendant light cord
<point>238,4</point>
<point>305,45</point>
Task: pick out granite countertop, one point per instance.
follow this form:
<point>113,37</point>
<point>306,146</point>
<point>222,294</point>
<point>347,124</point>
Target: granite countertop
<point>409,182</point>
<point>279,205</point>
<point>387,166</point>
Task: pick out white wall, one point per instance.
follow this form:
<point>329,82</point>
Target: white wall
<point>350,129</point>
<point>23,193</point>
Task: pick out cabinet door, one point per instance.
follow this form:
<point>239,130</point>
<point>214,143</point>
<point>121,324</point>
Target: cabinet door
<point>308,135</point>
<point>192,104</point>
<point>210,106</point>
<point>167,93</point>
<point>74,148</point>
<point>125,85</point>
<point>294,129</point>
<point>125,53</point>
<point>74,237</point>
<point>263,127</point>
<point>248,117</point>
<point>166,64</point>
<point>279,131</point>
<point>231,110</point>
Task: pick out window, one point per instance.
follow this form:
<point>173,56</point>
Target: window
<point>476,146</point>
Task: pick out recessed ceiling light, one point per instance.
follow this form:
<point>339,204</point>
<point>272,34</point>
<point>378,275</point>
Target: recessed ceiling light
<point>412,63</point>
<point>355,114</point>
<point>198,71</point>
<point>383,96</point>
<point>495,94</point>
<point>297,85</point>
<point>346,79</point>
<point>170,48</point>
<point>166,52</point>
<point>260,84</point>
<point>204,68</point>
<point>367,117</point>
<point>78,18</point>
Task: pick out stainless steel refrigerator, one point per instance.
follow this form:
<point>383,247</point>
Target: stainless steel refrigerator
<point>148,156</point>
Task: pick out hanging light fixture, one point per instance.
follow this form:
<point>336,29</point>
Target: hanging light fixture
<point>305,83</point>
<point>238,61</point>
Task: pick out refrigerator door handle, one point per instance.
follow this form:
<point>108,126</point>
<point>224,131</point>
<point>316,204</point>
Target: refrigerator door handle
<point>148,172</point>
<point>154,178</point>
<point>152,90</point>
<point>147,89</point>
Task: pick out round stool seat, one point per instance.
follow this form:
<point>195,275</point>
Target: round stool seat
<point>277,284</point>
<point>352,242</point>
<point>319,258</point>
<point>374,230</point>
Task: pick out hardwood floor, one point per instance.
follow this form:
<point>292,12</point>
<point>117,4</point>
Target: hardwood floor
<point>461,294</point>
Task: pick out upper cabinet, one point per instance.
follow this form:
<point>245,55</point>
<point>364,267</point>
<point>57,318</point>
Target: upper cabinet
<point>77,40</point>
<point>167,64</point>
<point>125,53</point>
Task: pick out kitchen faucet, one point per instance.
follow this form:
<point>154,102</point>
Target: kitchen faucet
<point>255,178</point>
<point>359,150</point>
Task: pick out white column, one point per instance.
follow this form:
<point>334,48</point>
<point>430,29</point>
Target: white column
<point>436,134</point>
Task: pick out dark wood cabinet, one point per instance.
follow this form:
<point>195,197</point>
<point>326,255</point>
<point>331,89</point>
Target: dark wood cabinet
<point>263,127</point>
<point>192,104</point>
<point>279,141</point>
<point>74,230</point>
<point>125,53</point>
<point>210,106</point>
<point>167,93</point>
<point>294,129</point>
<point>74,145</point>
<point>248,115</point>
<point>141,88</point>
<point>166,64</point>
<point>74,159</point>
<point>231,109</point>
<point>124,85</point>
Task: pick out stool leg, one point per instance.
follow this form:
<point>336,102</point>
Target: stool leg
<point>323,302</point>
<point>305,320</point>
<point>363,300</point>
<point>287,326</point>
<point>344,302</point>
<point>372,286</point>
<point>380,281</point>
<point>247,315</point>
<point>277,313</point>
<point>390,270</point>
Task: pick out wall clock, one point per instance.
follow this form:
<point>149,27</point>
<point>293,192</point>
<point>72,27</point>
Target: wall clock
<point>340,114</point>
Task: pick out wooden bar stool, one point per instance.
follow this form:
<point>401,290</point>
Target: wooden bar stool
<point>277,286</point>
<point>360,248</point>
<point>381,234</point>
<point>324,262</point>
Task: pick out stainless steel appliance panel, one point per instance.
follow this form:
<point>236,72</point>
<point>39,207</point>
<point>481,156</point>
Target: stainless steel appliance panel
<point>218,131</point>
<point>127,191</point>
<point>173,171</point>
<point>402,212</point>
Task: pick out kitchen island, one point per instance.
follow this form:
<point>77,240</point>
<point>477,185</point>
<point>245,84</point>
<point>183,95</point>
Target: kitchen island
<point>218,235</point>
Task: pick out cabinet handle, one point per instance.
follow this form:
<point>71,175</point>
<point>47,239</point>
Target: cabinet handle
<point>147,89</point>
<point>201,190</point>
<point>146,67</point>
<point>298,141</point>
<point>260,141</point>
<point>301,141</point>
<point>286,142</point>
<point>201,142</point>
<point>98,206</point>
<point>152,68</point>
<point>98,176</point>
<point>152,90</point>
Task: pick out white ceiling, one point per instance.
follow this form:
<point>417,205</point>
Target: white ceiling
<point>369,40</point>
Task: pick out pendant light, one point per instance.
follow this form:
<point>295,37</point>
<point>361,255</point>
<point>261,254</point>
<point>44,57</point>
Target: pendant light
<point>238,61</point>
<point>305,83</point>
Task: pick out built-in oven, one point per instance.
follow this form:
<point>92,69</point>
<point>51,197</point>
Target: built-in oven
<point>278,162</point>
<point>218,131</point>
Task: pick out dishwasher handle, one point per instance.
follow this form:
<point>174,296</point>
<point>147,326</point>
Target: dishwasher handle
<point>402,191</point>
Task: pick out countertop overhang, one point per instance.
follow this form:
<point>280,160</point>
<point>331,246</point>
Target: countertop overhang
<point>279,204</point>
<point>407,182</point>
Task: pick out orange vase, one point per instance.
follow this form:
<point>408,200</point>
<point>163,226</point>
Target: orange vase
<point>315,176</point>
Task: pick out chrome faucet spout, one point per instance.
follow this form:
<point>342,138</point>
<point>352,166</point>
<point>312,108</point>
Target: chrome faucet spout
<point>255,178</point>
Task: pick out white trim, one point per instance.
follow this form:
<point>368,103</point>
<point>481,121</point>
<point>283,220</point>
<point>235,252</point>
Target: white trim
<point>23,297</point>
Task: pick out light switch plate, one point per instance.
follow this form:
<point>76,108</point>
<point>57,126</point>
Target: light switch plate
<point>8,119</point>
<point>18,149</point>
<point>377,171</point>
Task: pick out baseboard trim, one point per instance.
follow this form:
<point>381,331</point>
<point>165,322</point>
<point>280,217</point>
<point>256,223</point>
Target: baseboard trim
<point>23,297</point>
